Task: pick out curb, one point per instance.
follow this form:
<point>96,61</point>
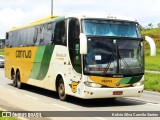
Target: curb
<point>152,92</point>
<point>154,72</point>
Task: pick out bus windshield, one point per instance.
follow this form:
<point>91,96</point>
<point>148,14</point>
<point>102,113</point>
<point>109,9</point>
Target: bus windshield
<point>114,48</point>
<point>110,28</point>
<point>114,57</point>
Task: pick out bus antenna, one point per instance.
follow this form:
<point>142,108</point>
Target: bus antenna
<point>51,7</point>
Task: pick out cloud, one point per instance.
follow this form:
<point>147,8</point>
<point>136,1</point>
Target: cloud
<point>20,12</point>
<point>10,17</point>
<point>145,11</point>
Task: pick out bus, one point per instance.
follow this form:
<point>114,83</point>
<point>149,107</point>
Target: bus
<point>85,56</point>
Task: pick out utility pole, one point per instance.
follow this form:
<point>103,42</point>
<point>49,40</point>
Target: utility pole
<point>51,7</point>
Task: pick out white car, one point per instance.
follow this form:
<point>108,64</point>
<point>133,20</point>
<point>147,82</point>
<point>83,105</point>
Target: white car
<point>1,61</point>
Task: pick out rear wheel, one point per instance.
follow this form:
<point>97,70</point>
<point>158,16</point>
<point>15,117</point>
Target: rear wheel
<point>19,84</point>
<point>61,90</point>
<point>13,77</point>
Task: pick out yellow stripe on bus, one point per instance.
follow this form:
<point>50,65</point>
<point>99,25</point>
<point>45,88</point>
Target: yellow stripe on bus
<point>21,58</point>
<point>108,81</point>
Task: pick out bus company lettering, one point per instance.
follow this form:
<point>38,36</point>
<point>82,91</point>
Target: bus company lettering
<point>99,69</point>
<point>23,53</point>
<point>106,81</point>
<point>60,55</point>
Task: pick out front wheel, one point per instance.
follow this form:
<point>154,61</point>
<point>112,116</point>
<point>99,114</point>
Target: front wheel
<point>61,90</point>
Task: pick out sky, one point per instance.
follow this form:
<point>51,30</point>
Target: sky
<point>20,12</point>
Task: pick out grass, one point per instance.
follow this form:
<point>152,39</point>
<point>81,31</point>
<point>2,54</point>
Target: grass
<point>152,63</point>
<point>152,82</point>
<point>153,33</point>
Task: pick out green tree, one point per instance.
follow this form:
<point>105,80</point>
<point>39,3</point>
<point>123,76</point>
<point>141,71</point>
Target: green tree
<point>150,26</point>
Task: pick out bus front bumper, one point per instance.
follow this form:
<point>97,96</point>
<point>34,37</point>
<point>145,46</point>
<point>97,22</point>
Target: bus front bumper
<point>90,93</point>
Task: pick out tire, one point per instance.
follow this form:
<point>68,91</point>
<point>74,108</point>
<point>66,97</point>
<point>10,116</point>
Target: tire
<point>19,84</point>
<point>14,80</point>
<point>61,90</point>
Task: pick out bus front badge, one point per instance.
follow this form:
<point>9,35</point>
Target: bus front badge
<point>118,83</point>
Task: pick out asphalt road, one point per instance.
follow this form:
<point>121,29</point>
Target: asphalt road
<point>36,99</point>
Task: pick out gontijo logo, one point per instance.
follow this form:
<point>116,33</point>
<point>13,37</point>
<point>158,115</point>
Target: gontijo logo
<point>23,53</point>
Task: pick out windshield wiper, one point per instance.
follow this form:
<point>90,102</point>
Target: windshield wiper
<point>120,58</point>
<point>108,65</point>
<point>114,52</point>
<point>117,53</point>
<point>126,64</point>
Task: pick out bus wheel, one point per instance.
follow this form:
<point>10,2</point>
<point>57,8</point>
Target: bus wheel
<point>61,90</point>
<point>13,77</point>
<point>19,84</point>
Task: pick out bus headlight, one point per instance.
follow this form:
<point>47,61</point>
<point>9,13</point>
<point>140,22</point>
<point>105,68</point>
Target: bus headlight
<point>141,82</point>
<point>92,84</point>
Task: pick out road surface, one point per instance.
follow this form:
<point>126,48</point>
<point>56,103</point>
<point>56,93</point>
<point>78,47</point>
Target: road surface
<point>35,99</point>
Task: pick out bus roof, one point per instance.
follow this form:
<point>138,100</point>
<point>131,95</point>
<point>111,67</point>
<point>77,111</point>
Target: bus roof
<point>101,16</point>
<point>37,22</point>
<point>84,16</point>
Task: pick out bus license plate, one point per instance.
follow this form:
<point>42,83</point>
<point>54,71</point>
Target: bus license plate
<point>117,92</point>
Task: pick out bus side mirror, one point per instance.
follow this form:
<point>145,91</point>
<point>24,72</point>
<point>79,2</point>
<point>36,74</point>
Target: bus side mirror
<point>83,43</point>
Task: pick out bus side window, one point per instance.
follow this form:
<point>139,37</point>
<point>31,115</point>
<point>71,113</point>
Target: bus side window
<point>15,38</point>
<point>29,37</point>
<point>47,34</point>
<point>40,36</point>
<point>21,36</point>
<point>7,35</point>
<point>52,33</point>
<point>7,39</point>
<point>60,33</point>
<point>10,39</point>
<point>74,44</point>
<point>24,37</point>
<point>35,34</point>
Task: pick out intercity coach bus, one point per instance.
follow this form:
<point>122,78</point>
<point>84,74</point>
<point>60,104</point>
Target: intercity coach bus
<point>84,56</point>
